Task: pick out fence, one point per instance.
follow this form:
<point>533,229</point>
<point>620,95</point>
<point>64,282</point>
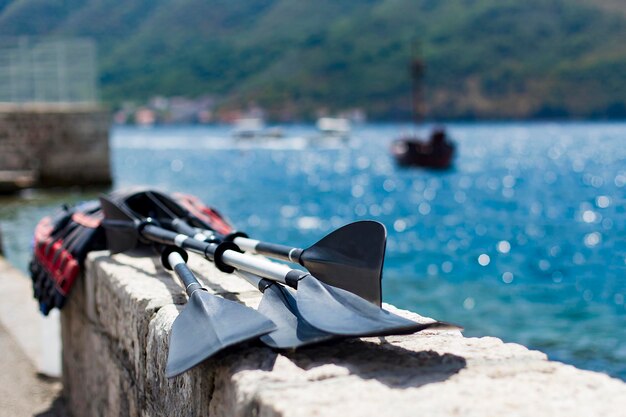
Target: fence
<point>34,70</point>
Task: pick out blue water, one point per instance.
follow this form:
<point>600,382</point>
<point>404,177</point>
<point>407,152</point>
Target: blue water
<point>523,239</point>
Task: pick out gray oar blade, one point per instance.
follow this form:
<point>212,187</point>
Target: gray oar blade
<point>208,324</point>
<point>351,258</point>
<point>121,232</point>
<point>338,311</point>
<point>292,331</point>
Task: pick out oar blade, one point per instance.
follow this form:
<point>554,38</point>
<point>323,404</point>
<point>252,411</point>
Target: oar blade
<point>208,324</point>
<point>351,258</point>
<point>119,228</point>
<point>292,331</point>
<point>338,311</point>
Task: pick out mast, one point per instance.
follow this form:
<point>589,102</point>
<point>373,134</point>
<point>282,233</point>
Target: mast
<point>417,69</point>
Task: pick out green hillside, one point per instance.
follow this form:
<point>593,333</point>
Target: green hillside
<point>485,58</point>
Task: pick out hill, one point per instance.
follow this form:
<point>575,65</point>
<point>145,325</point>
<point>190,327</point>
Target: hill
<point>484,58</point>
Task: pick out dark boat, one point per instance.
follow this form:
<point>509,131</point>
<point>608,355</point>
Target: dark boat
<point>437,153</point>
<point>410,150</point>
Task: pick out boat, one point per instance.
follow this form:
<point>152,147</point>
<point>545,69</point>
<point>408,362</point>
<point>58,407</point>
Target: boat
<point>436,153</point>
<point>254,128</point>
<point>248,128</point>
<point>334,127</point>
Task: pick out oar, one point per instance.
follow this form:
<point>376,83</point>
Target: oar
<point>351,315</point>
<point>354,250</point>
<point>207,323</point>
<point>350,257</point>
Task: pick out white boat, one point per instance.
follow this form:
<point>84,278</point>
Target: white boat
<point>248,128</point>
<point>254,128</point>
<point>334,126</point>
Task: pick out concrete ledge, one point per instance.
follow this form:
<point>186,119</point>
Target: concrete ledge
<point>36,335</point>
<point>116,327</point>
<point>19,311</point>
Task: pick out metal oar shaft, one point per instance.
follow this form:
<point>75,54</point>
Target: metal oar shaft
<point>255,265</point>
<point>262,267</point>
<point>182,227</point>
<point>273,250</point>
<point>286,253</point>
<point>166,237</point>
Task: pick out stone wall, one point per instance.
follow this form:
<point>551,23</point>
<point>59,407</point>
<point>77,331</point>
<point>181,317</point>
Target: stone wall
<point>60,144</point>
<point>115,338</point>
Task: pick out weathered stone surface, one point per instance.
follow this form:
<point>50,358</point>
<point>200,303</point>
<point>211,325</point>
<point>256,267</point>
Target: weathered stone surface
<point>115,337</point>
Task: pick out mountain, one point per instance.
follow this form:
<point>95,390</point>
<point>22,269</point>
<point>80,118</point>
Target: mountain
<point>484,58</point>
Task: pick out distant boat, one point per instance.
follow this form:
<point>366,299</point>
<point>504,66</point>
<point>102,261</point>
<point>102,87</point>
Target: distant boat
<point>251,128</point>
<point>248,128</point>
<point>436,153</point>
<point>273,132</point>
<point>334,127</point>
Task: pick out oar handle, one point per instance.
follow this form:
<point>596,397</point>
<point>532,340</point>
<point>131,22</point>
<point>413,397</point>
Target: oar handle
<point>183,272</point>
<point>286,253</point>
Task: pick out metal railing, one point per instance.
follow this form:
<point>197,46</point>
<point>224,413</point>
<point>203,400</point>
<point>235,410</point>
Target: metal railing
<point>38,70</point>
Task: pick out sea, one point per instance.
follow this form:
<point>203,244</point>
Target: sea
<point>522,239</point>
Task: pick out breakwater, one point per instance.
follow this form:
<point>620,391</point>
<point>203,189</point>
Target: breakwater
<point>56,144</point>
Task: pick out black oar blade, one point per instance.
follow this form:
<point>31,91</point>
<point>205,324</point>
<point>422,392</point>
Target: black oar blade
<point>292,331</point>
<point>120,231</point>
<point>351,258</point>
<point>207,325</point>
<point>341,312</point>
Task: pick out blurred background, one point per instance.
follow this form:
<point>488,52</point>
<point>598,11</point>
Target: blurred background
<point>294,118</point>
<point>484,58</point>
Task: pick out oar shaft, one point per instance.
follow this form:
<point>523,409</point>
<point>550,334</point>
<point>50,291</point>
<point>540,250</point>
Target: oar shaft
<point>166,237</point>
<point>181,226</point>
<point>256,265</point>
<point>183,272</point>
<point>273,250</point>
<point>286,253</point>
